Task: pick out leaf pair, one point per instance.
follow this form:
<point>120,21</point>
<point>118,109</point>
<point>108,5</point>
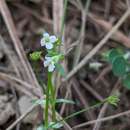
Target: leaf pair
<point>120,65</point>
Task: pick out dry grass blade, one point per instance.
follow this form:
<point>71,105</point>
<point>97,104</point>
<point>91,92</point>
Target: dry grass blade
<point>57,15</point>
<point>91,90</point>
<point>89,114</point>
<point>79,47</point>
<point>25,87</point>
<point>118,36</point>
<point>102,119</point>
<point>21,118</point>
<point>7,51</point>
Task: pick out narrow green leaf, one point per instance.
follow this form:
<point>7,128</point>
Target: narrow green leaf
<point>55,125</point>
<point>126,81</point>
<point>119,66</point>
<point>65,101</point>
<point>41,127</point>
<point>39,101</point>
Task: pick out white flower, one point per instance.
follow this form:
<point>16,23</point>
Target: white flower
<point>48,41</point>
<point>49,63</point>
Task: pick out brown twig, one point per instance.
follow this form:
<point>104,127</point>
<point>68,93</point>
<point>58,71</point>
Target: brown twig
<point>102,119</point>
<point>66,97</point>
<point>76,87</point>
<point>21,117</point>
<point>107,26</point>
<point>33,13</point>
<point>91,90</point>
<point>26,87</point>
<point>79,47</point>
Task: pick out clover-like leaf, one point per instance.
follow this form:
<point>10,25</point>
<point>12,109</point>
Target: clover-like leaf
<point>126,81</point>
<point>113,54</point>
<point>119,66</point>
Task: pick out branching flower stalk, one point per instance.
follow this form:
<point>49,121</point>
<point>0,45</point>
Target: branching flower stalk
<point>51,60</point>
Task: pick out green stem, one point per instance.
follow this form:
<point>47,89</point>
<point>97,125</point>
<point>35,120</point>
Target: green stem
<point>52,98</point>
<point>79,112</point>
<point>47,101</point>
<point>83,110</point>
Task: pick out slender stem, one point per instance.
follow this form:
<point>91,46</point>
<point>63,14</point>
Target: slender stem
<point>83,110</point>
<point>47,101</point>
<point>63,17</point>
<point>79,112</point>
<point>50,89</point>
<point>52,93</point>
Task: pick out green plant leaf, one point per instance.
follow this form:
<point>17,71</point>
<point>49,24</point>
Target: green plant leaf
<point>58,42</point>
<point>64,101</point>
<point>55,125</point>
<point>35,55</point>
<point>113,54</point>
<point>126,81</point>
<point>119,66</point>
<point>39,101</point>
<point>43,102</point>
<point>41,127</point>
<point>60,69</point>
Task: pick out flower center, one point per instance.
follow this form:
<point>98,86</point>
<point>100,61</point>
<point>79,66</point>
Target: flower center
<point>47,39</point>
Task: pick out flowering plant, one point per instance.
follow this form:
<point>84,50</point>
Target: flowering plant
<point>51,61</point>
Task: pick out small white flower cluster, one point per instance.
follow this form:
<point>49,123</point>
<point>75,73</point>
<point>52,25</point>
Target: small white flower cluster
<point>49,63</point>
<point>49,41</point>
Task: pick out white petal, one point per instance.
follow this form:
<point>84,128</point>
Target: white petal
<point>49,45</point>
<point>51,67</point>
<point>46,35</point>
<point>53,39</point>
<point>46,63</point>
<point>48,58</point>
<point>42,42</point>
